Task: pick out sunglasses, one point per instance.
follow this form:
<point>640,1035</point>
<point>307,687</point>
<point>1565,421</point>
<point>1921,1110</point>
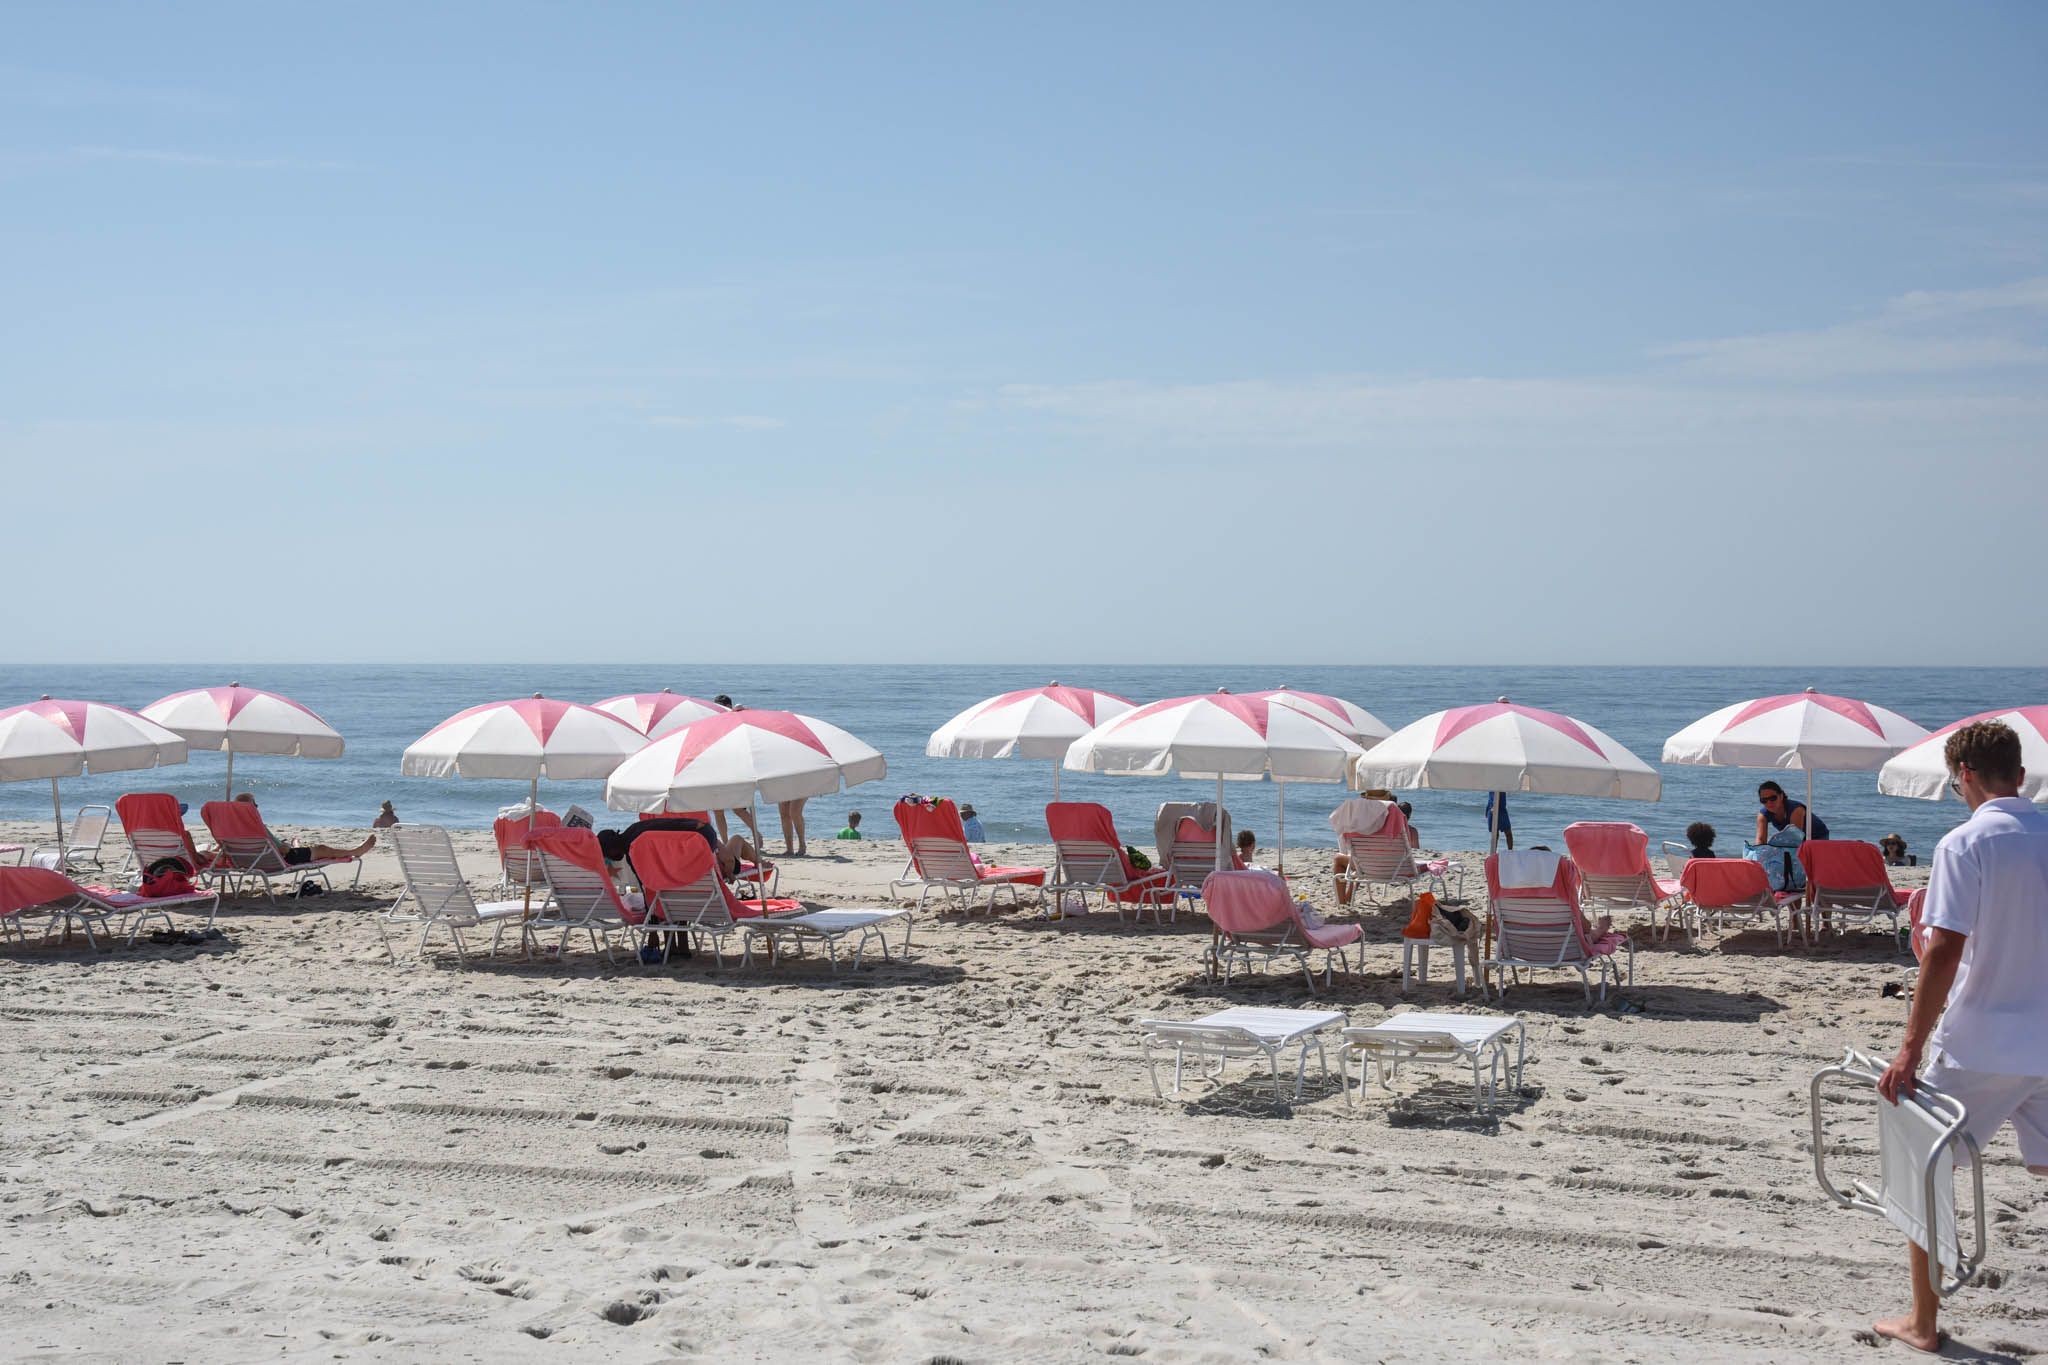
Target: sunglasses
<point>1773,799</point>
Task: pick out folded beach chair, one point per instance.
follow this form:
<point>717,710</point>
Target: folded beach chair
<point>583,895</point>
<point>517,868</point>
<point>1383,858</point>
<point>941,861</point>
<point>1736,887</point>
<point>1847,877</point>
<point>1092,859</point>
<point>249,850</point>
<point>28,894</point>
<point>1257,920</point>
<point>435,885</point>
<point>1533,899</point>
<point>82,848</point>
<point>155,830</point>
<point>1613,857</point>
<point>685,895</point>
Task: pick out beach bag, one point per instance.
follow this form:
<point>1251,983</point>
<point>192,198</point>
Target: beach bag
<point>1781,865</point>
<point>166,877</point>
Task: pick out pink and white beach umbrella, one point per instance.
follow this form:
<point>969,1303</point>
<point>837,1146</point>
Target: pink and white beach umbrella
<point>1502,747</point>
<point>1799,730</point>
<point>529,738</point>
<point>58,738</point>
<point>1039,722</point>
<point>730,760</point>
<point>1357,724</point>
<point>243,720</point>
<point>1219,736</point>
<point>1921,771</point>
<point>655,714</point>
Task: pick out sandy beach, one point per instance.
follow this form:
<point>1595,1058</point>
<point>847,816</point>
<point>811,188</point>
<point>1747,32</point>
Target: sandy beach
<point>277,1146</point>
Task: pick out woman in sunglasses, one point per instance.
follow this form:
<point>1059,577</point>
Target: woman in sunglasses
<point>1778,810</point>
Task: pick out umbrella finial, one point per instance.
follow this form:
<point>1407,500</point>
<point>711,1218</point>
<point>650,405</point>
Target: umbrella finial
<point>1503,701</point>
<point>671,689</point>
<point>1810,691</point>
<point>537,697</point>
<point>44,697</point>
<point>236,683</point>
<point>1054,683</point>
<point>1222,691</point>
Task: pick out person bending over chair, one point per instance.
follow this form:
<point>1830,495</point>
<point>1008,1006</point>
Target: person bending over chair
<point>298,855</point>
<point>615,844</point>
<point>1778,810</point>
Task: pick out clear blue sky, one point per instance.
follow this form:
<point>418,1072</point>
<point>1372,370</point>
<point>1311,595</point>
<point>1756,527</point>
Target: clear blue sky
<point>1409,333</point>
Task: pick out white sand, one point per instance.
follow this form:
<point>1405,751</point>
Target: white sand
<point>279,1147</point>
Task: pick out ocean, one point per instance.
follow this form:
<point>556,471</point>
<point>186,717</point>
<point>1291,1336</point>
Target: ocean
<point>380,709</point>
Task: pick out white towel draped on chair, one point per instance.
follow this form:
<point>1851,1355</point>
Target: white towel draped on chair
<point>1528,868</point>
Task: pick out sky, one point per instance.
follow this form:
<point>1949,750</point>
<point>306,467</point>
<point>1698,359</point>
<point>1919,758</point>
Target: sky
<point>1144,333</point>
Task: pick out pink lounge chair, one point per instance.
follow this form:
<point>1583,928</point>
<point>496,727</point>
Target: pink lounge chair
<point>1256,919</point>
<point>1543,926</point>
<point>1191,858</point>
<point>1383,858</point>
<point>764,877</point>
<point>248,849</point>
<point>941,860</point>
<point>517,868</point>
<point>1847,877</point>
<point>1724,887</point>
<point>1092,858</point>
<point>685,895</point>
<point>37,892</point>
<point>156,831</point>
<point>1613,858</point>
<point>582,894</point>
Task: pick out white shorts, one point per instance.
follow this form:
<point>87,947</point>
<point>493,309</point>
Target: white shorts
<point>1991,1099</point>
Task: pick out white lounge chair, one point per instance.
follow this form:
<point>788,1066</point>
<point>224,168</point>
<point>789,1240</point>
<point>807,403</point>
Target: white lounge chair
<point>249,850</point>
<point>435,885</point>
<point>30,893</point>
<point>941,861</point>
<point>1242,1031</point>
<point>1434,1039</point>
<point>1091,860</point>
<point>584,897</point>
<point>1377,860</point>
<point>828,927</point>
<point>685,896</point>
<point>1615,876</point>
<point>82,848</point>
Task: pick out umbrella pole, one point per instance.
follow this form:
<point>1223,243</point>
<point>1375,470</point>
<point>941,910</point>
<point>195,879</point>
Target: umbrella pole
<point>57,810</point>
<point>231,773</point>
<point>1225,857</point>
<point>1493,824</point>
<point>532,809</point>
<point>1281,838</point>
<point>1055,779</point>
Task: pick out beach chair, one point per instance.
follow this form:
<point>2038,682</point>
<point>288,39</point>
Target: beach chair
<point>435,885</point>
<point>764,877</point>
<point>155,830</point>
<point>1435,1039</point>
<point>1091,859</point>
<point>37,893</point>
<point>941,861</point>
<point>82,848</point>
<point>1737,888</point>
<point>248,850</point>
<point>1847,877</point>
<point>1533,900</point>
<point>829,927</point>
<point>582,893</point>
<point>1191,857</point>
<point>1613,858</point>
<point>686,897</point>
<point>1240,1031</point>
<point>518,869</point>
<point>1383,858</point>
<point>1258,921</point>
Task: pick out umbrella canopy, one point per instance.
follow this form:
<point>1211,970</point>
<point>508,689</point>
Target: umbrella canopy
<point>731,759</point>
<point>1502,747</point>
<point>64,738</point>
<point>1222,736</point>
<point>243,720</point>
<point>1357,724</point>
<point>655,714</point>
<point>1039,722</point>
<point>1920,770</point>
<point>1801,730</point>
<point>527,739</point>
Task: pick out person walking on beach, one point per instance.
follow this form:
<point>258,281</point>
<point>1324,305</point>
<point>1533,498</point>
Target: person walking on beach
<point>1497,809</point>
<point>1981,1013</point>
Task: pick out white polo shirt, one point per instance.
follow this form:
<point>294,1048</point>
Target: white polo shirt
<point>1990,881</point>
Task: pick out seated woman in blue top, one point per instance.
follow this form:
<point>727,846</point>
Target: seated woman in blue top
<point>1779,810</point>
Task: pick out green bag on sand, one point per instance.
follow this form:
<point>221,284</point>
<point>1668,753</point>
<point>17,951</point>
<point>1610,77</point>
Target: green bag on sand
<point>1138,860</point>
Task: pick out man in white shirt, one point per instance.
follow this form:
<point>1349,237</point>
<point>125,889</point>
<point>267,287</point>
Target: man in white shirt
<point>1986,961</point>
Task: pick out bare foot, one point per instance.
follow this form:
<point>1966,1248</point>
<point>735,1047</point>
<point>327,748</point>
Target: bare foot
<point>1906,1330</point>
<point>364,847</point>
